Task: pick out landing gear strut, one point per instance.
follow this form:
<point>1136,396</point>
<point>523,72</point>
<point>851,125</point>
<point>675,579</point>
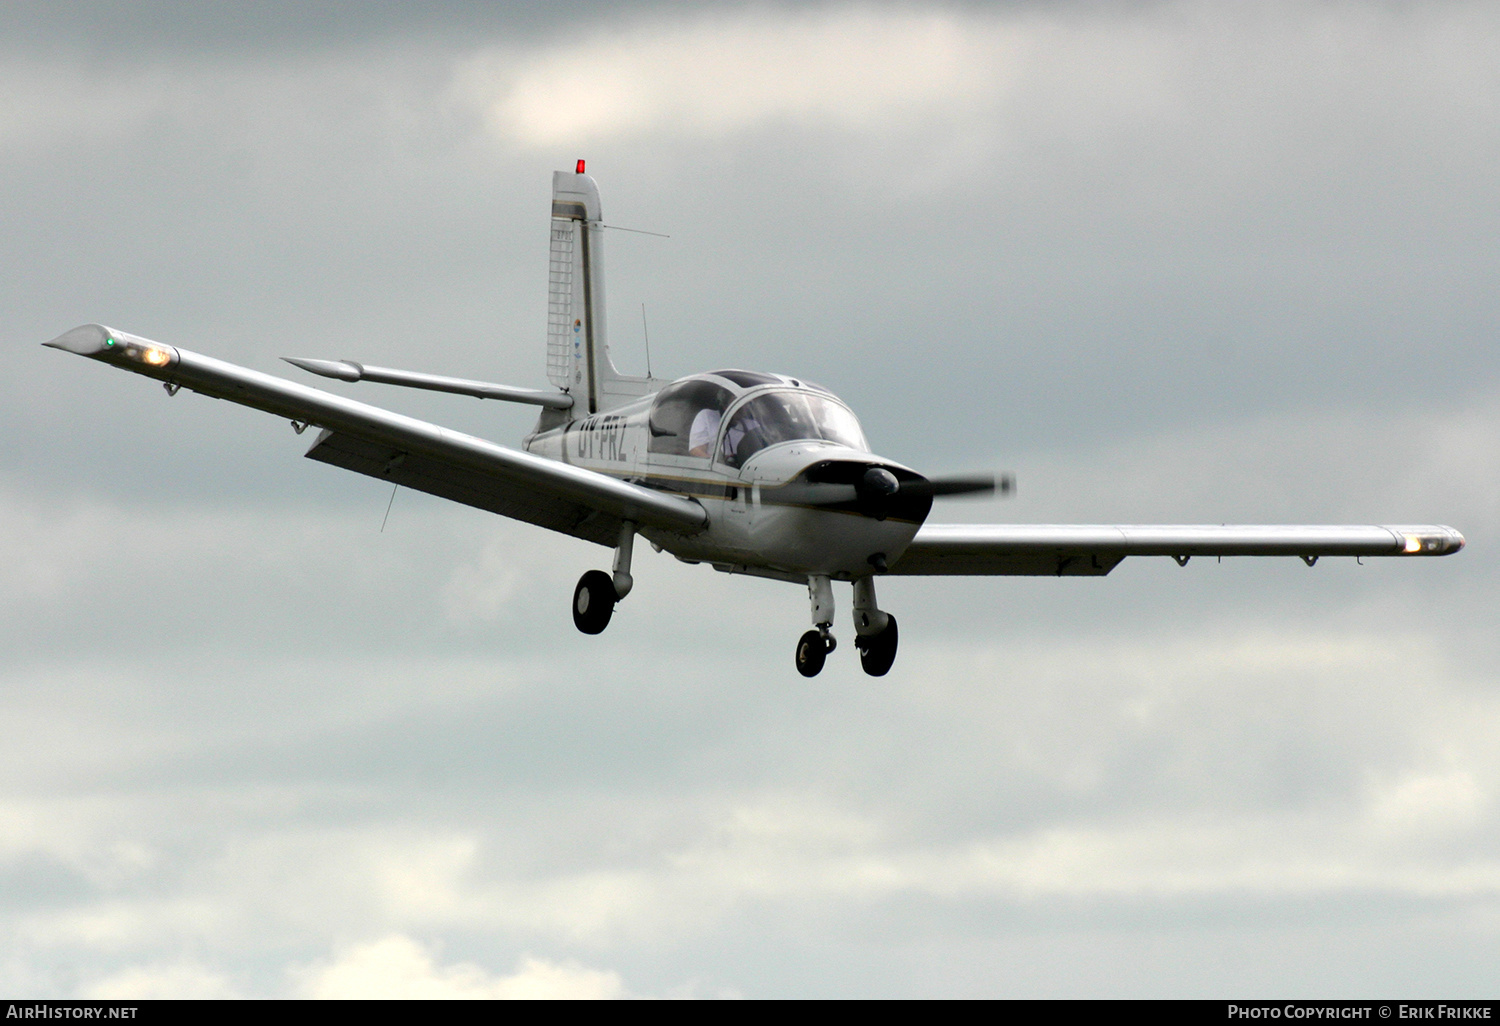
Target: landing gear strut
<point>814,646</point>
<point>597,592</point>
<point>875,631</point>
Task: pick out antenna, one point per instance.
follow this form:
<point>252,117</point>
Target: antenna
<point>647,334</point>
<point>637,231</point>
<point>388,508</point>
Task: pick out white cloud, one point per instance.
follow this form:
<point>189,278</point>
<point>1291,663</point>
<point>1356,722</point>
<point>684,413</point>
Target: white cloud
<point>1285,857</point>
<point>1427,804</point>
<point>398,968</point>
<point>162,982</point>
<point>1163,110</point>
<point>720,73</point>
<point>1068,74</point>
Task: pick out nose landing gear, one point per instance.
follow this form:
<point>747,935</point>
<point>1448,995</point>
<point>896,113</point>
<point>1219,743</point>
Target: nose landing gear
<point>814,646</point>
<point>875,630</point>
<point>812,649</point>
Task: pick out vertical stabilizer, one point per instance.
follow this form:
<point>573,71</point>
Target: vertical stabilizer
<point>577,348</point>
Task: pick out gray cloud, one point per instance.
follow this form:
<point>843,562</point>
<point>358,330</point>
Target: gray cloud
<point>1167,262</point>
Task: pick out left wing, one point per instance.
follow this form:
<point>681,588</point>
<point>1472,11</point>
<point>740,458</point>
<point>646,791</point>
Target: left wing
<point>405,450</point>
<point>1093,550</point>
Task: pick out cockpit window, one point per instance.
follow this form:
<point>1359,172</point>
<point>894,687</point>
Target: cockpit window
<point>788,416</point>
<point>685,417</point>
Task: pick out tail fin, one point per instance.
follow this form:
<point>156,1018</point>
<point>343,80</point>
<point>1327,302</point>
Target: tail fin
<point>577,348</point>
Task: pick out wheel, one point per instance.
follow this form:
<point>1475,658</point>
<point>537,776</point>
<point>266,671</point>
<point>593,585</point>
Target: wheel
<point>812,650</point>
<point>593,602</point>
<point>878,651</point>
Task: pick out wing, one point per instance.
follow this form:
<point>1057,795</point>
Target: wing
<point>1093,550</point>
<point>407,451</point>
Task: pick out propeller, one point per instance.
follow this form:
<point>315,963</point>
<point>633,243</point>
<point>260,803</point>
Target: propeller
<point>961,484</point>
<point>878,492</point>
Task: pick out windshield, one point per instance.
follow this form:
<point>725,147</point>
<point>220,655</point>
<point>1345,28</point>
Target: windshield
<point>786,417</point>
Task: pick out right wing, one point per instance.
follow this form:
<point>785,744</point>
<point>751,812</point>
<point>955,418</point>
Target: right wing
<point>405,450</point>
<point>1093,550</point>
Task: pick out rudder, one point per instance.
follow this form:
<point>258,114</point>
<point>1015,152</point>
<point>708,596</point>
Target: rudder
<point>577,346</point>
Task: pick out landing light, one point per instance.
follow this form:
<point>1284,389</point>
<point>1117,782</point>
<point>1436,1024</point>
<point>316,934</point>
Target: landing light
<point>155,356</point>
<point>1413,543</point>
<point>139,349</point>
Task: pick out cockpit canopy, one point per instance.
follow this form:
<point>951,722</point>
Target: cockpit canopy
<point>678,414</point>
<point>788,416</point>
<point>687,415</point>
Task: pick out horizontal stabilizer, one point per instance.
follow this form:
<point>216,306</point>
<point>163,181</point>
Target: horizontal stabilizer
<point>348,370</point>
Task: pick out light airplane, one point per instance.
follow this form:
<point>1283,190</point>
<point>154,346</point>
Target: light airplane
<point>751,473</point>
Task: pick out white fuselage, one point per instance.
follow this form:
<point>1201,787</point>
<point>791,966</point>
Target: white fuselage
<point>755,523</point>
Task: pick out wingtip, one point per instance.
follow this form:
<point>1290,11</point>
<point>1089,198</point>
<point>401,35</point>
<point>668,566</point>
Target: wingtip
<point>85,340</point>
<point>1430,540</point>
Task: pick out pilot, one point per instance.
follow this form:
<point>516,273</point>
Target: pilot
<point>703,432</point>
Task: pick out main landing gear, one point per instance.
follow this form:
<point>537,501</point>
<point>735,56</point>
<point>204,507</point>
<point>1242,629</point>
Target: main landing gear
<point>597,592</point>
<point>875,631</point>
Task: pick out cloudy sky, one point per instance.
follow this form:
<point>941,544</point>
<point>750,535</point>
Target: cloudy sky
<point>1170,261</point>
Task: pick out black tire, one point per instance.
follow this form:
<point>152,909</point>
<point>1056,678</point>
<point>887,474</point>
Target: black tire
<point>593,602</point>
<point>877,653</point>
<point>812,650</point>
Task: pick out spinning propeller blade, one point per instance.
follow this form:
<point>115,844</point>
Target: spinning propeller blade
<point>961,484</point>
<point>878,492</point>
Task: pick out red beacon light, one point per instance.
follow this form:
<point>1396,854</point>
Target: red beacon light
<point>580,167</point>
